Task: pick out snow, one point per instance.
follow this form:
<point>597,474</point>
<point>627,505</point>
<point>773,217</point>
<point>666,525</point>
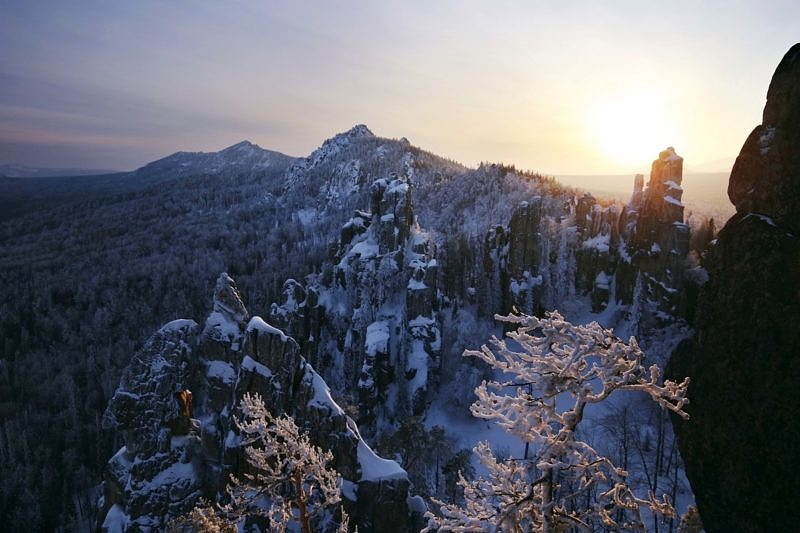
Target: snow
<point>416,285</point>
<point>306,216</point>
<point>377,339</point>
<point>349,490</point>
<point>227,327</point>
<point>600,242</point>
<point>116,520</point>
<point>421,321</point>
<point>322,393</point>
<point>418,237</point>
<point>121,457</point>
<point>766,139</point>
<point>418,361</point>
<point>365,249</point>
<point>222,371</point>
<point>232,440</point>
<point>601,281</point>
<point>527,281</point>
<point>416,504</point>
<point>763,218</point>
<point>374,468</point>
<point>673,201</point>
<point>177,325</point>
<point>672,156</point>
<point>672,185</point>
<point>251,365</point>
<point>397,186</point>
<point>176,473</point>
<point>257,324</point>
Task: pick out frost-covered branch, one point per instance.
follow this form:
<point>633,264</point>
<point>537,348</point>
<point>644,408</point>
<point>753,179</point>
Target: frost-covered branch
<point>289,480</point>
<point>563,368</point>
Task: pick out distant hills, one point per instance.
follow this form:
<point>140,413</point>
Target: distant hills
<point>705,192</point>
<point>21,171</point>
<point>20,195</point>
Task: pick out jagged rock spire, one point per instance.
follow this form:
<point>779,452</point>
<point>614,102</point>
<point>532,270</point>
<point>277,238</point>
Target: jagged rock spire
<point>228,301</point>
<point>229,316</point>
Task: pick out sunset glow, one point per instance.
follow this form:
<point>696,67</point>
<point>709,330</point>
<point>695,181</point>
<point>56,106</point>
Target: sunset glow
<point>629,127</point>
<point>559,87</point>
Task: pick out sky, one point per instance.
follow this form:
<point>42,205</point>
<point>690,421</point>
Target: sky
<point>555,87</point>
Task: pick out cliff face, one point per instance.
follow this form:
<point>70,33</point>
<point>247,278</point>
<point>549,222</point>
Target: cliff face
<point>741,441</point>
<point>174,410</point>
<point>369,319</point>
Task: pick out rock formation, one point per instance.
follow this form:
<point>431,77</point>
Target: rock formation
<point>658,237</point>
<point>170,459</point>
<point>525,256</point>
<point>370,318</point>
<point>606,254</point>
<point>741,442</point>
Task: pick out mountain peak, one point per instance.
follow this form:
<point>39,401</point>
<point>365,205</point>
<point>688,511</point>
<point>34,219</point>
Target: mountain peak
<point>357,131</point>
<point>241,146</point>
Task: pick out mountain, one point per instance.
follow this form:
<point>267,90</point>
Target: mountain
<point>381,260</point>
<point>743,360</point>
<point>244,157</point>
<point>20,196</point>
<point>21,171</point>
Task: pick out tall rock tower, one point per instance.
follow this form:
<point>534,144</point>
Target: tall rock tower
<point>658,237</point>
<point>740,445</point>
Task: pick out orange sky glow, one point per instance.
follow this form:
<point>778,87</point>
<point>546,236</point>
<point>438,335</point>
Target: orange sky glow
<point>578,88</point>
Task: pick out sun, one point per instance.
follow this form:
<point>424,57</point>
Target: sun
<point>629,127</point>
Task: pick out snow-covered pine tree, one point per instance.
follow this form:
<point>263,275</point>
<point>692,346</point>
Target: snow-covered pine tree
<point>290,482</point>
<point>557,371</point>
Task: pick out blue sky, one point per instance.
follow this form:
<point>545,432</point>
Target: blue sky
<point>557,87</point>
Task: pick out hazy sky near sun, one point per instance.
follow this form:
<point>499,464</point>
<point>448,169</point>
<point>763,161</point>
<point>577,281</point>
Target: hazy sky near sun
<point>557,87</point>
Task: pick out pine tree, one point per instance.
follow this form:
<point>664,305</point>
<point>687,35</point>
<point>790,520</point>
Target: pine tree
<point>290,480</point>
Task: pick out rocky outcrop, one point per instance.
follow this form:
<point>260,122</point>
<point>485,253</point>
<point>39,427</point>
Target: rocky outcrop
<point>658,237</point>
<point>551,250</point>
<point>174,411</point>
<point>740,443</point>
<point>597,254</point>
<point>525,256</point>
<point>370,317</point>
<point>158,471</point>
